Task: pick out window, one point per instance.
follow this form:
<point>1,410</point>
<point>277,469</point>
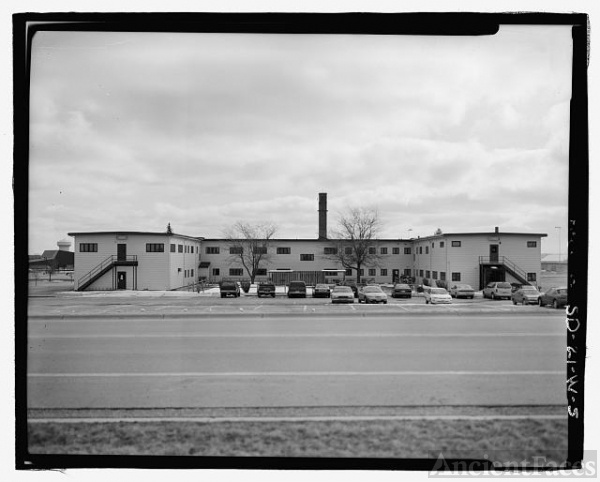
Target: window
<point>307,257</point>
<point>372,250</point>
<point>330,250</point>
<point>426,249</point>
<point>384,272</point>
<point>192,272</point>
<point>261,272</point>
<point>88,247</point>
<point>434,275</point>
<point>383,251</point>
<point>456,276</point>
<point>407,271</point>
<point>212,250</point>
<point>236,250</point>
<point>442,244</point>
<point>427,274</point>
<point>432,245</point>
<point>456,244</point>
<point>236,271</point>
<point>180,248</point>
<point>155,247</point>
<point>406,250</point>
<point>532,244</point>
<point>531,276</point>
<point>349,272</point>
<point>443,276</point>
<point>362,272</point>
<point>216,272</point>
<point>420,249</point>
<point>260,249</point>
<point>284,250</point>
<point>173,248</point>
<point>185,273</point>
<point>421,273</point>
<point>396,250</point>
<point>348,250</point>
<point>372,272</point>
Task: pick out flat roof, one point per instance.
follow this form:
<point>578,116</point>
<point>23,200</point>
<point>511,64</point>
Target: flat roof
<point>127,233</point>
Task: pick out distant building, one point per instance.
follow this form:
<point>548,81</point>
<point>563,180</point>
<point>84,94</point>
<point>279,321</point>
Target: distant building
<point>555,263</point>
<point>165,261</point>
<point>55,259</point>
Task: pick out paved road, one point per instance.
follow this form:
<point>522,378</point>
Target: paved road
<point>296,360</point>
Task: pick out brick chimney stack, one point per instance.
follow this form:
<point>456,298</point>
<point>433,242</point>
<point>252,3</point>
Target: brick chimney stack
<point>322,216</point>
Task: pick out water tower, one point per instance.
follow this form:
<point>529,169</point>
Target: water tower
<point>63,245</point>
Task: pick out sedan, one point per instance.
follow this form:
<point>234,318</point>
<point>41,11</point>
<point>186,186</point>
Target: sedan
<point>321,291</point>
<point>462,291</point>
<point>342,294</point>
<point>436,296</point>
<point>556,297</point>
<point>372,294</point>
<point>401,291</point>
<point>527,295</point>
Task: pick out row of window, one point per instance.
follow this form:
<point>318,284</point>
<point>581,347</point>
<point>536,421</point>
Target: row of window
<point>328,250</point>
<point>150,248</point>
<point>349,272</point>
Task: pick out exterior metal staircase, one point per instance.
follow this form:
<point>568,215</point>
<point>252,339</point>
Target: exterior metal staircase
<point>508,266</point>
<point>104,267</point>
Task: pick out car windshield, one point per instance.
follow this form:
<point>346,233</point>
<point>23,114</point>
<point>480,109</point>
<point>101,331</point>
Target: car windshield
<point>562,291</point>
<point>401,287</point>
<point>342,289</point>
<point>504,285</point>
<point>372,289</point>
<point>438,291</point>
<point>464,287</point>
<point>528,288</point>
<point>322,287</point>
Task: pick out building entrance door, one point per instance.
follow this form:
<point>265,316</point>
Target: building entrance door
<point>121,280</point>
<point>395,276</point>
<point>493,253</point>
<point>121,252</point>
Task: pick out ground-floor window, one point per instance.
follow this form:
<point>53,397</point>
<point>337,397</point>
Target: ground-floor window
<point>216,272</point>
<point>435,275</point>
<point>427,274</point>
<point>443,275</point>
<point>362,272</point>
<point>261,272</point>
<point>236,271</point>
<point>372,271</point>
<point>349,272</point>
<point>421,273</point>
<point>531,276</point>
<point>88,247</point>
<point>383,272</point>
<point>455,276</point>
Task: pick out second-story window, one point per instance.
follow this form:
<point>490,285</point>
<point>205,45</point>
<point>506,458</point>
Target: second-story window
<point>307,257</point>
<point>212,250</point>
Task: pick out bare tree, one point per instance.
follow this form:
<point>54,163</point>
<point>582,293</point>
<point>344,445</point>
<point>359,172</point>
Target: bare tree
<point>355,239</point>
<point>248,245</point>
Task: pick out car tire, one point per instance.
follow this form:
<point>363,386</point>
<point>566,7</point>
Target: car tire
<point>524,302</point>
<point>555,304</point>
<point>540,302</point>
<point>493,296</point>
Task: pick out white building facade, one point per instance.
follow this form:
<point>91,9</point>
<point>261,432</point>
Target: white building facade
<point>167,261</point>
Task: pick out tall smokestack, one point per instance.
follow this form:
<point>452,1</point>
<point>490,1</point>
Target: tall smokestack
<point>322,215</point>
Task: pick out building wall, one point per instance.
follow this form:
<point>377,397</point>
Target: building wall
<point>465,259</point>
<point>223,261</point>
<point>155,270</point>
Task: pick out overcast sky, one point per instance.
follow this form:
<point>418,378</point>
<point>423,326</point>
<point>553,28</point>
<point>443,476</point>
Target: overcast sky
<point>131,131</point>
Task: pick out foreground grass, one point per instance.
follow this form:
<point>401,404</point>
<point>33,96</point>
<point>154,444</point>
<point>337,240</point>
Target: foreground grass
<point>497,439</point>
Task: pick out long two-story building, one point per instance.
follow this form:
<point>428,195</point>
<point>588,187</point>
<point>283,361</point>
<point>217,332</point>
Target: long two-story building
<point>166,261</point>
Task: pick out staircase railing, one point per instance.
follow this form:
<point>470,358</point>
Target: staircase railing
<point>503,260</point>
<point>104,264</point>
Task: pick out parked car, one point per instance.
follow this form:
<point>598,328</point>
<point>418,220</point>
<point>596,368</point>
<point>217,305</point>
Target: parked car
<point>297,288</point>
<point>527,295</point>
<point>497,290</point>
<point>265,289</point>
<point>436,296</point>
<point>401,290</point>
<point>229,288</point>
<point>462,291</point>
<point>372,294</point>
<point>342,294</point>
<point>321,291</point>
<point>556,297</point>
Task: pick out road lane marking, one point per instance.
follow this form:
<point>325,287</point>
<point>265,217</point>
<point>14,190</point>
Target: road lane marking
<point>333,418</point>
<point>295,335</point>
<point>300,374</point>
